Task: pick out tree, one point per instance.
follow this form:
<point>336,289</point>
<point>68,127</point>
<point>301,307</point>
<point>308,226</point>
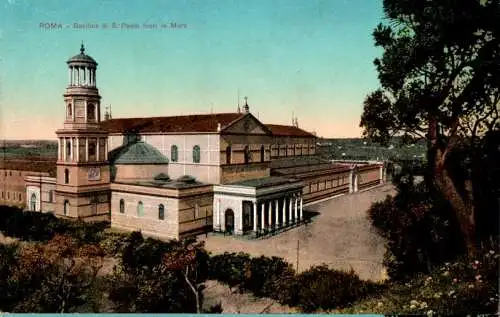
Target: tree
<point>440,79</point>
<point>56,277</point>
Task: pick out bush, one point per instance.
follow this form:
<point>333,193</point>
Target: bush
<point>421,231</point>
<point>114,243</point>
<point>316,288</point>
<point>35,226</point>
<point>463,287</point>
<point>324,288</point>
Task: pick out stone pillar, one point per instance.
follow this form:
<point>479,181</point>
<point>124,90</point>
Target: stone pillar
<point>270,214</point>
<point>85,110</point>
<point>351,179</point>
<point>241,219</point>
<point>276,214</point>
<point>381,174</point>
<point>283,218</point>
<point>106,150</point>
<point>71,154</point>
<point>64,149</point>
<point>254,212</point>
<point>73,110</point>
<point>262,210</point>
<point>86,149</point>
<point>77,149</point>
<point>69,76</point>
<point>296,209</point>
<point>219,224</point>
<point>96,112</point>
<point>301,211</point>
<point>95,79</point>
<point>97,152</point>
<point>355,182</point>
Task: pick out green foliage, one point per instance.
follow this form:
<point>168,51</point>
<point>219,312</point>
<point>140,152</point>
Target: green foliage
<point>462,287</point>
<point>317,288</point>
<point>34,226</point>
<point>420,230</point>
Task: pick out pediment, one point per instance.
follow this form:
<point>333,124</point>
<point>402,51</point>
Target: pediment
<point>247,125</point>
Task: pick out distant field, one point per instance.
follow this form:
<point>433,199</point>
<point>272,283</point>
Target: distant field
<point>30,148</point>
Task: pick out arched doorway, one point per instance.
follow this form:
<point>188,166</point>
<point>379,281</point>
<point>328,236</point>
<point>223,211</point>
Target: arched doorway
<point>229,221</point>
<point>33,202</point>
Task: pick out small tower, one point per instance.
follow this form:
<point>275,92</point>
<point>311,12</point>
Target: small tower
<point>82,187</point>
<point>246,109</point>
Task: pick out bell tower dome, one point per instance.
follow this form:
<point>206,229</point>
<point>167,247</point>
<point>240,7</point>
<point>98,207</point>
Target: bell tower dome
<point>83,178</point>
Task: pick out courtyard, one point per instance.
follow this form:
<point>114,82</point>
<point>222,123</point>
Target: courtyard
<point>339,235</point>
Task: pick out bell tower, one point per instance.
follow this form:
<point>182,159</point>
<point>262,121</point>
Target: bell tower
<point>83,177</point>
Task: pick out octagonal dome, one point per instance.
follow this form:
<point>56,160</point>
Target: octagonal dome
<point>82,58</point>
<point>137,153</point>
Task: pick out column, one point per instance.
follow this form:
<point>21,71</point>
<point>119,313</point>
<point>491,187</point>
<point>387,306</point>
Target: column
<point>86,149</point>
<point>270,214</point>
<point>85,76</point>
<point>356,182</point>
<point>301,211</point>
<point>290,209</point>
<point>85,108</point>
<point>77,149</point>
<point>72,155</point>
<point>296,209</point>
<point>64,148</point>
<point>262,210</point>
<point>96,113</point>
<point>351,185</point>
<point>276,215</point>
<point>73,110</point>
<point>95,81</point>
<point>106,150</point>
<point>219,225</point>
<point>98,158</point>
<point>241,220</point>
<point>254,212</point>
<point>283,218</point>
<point>69,76</point>
<point>381,174</point>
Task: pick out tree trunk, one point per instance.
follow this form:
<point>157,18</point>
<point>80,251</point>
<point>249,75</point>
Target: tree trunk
<point>194,289</point>
<point>442,182</point>
<point>463,209</point>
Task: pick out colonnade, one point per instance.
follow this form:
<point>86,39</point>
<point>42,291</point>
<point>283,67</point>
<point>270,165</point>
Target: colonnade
<point>67,144</point>
<point>82,76</point>
<point>290,208</point>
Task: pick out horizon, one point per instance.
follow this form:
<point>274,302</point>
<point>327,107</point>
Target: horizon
<point>310,59</point>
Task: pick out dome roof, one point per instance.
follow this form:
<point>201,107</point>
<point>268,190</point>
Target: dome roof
<point>82,58</point>
<point>162,177</point>
<point>137,153</point>
<point>186,179</point>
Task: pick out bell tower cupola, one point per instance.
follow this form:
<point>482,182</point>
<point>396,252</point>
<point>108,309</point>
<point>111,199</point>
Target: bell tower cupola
<point>82,97</point>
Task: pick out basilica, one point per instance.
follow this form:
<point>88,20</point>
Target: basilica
<point>178,176</point>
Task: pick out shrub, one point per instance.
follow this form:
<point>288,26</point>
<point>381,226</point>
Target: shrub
<point>229,268</point>
<point>324,288</point>
<point>420,230</point>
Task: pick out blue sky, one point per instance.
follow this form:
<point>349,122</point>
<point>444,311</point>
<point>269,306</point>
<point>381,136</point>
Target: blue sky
<point>310,57</point>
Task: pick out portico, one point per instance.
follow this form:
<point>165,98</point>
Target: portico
<point>257,206</point>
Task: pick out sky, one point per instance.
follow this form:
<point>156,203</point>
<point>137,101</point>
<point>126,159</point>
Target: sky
<point>310,58</point>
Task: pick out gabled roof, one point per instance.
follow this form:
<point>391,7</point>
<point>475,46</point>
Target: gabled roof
<point>175,124</point>
<point>287,130</point>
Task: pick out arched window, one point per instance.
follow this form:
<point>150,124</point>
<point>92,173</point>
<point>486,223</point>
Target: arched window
<point>228,154</point>
<point>70,111</point>
<point>66,176</point>
<point>196,154</point>
<point>66,207</point>
<point>246,154</point>
<point>122,206</point>
<point>140,209</point>
<point>90,112</point>
<point>174,153</point>
<point>262,153</point>
<point>161,212</point>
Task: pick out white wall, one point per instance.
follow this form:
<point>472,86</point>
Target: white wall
<point>206,171</point>
<point>221,204</point>
<point>149,224</point>
<point>29,191</point>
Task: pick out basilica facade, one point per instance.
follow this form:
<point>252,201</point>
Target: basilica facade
<point>172,177</point>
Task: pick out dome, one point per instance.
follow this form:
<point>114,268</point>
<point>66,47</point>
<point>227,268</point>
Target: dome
<point>186,179</point>
<point>137,153</point>
<point>162,177</point>
<point>82,58</point>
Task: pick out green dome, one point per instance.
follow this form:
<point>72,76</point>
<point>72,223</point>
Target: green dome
<point>137,153</point>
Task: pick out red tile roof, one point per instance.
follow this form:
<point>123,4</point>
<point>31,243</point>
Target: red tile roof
<point>30,164</point>
<point>176,124</point>
<point>287,130</point>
